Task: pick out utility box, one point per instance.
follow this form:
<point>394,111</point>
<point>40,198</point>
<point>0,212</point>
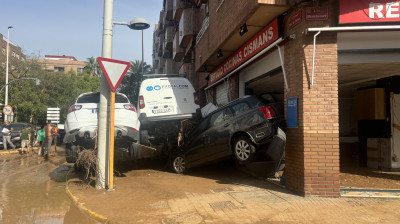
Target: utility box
<point>370,104</point>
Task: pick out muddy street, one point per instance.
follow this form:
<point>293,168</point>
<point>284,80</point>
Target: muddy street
<point>32,190</point>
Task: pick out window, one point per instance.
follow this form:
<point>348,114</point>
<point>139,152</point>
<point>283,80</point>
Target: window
<point>17,55</point>
<point>220,117</point>
<point>79,70</point>
<point>13,54</point>
<point>240,108</point>
<point>200,128</point>
<point>3,51</point>
<point>22,59</point>
<point>59,69</point>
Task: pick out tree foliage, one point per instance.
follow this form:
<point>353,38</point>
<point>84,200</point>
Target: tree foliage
<point>92,67</point>
<point>131,83</point>
<point>56,89</point>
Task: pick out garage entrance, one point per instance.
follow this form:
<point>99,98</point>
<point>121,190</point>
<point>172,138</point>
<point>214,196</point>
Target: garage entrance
<point>369,112</point>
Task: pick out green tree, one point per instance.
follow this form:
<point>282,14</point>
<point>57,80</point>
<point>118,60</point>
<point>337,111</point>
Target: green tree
<point>131,83</point>
<point>92,66</point>
<point>56,89</point>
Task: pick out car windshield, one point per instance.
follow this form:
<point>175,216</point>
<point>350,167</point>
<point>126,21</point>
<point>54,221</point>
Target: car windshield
<point>18,127</point>
<point>271,97</point>
<point>95,98</point>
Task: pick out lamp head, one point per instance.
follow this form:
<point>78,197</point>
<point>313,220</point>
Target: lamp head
<point>139,24</point>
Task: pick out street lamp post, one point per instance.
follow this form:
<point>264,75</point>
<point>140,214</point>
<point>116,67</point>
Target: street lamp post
<point>105,92</point>
<point>8,49</point>
<point>140,24</point>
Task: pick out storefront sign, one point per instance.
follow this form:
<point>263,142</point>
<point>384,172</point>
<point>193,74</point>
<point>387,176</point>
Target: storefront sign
<point>369,11</point>
<point>292,112</point>
<point>317,13</point>
<point>295,19</point>
<point>260,41</point>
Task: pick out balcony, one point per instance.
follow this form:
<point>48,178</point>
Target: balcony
<point>169,8</point>
<point>186,27</point>
<point>178,9</point>
<point>161,22</point>
<point>178,52</point>
<point>170,66</point>
<point>169,37</point>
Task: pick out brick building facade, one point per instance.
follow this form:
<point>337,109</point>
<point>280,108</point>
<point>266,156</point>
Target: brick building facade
<point>14,57</point>
<point>322,71</point>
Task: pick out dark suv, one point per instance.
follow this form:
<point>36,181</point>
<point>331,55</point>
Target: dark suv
<point>241,128</point>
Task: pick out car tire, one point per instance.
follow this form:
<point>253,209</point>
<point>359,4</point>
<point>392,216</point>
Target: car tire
<point>243,150</point>
<point>178,163</point>
<point>70,153</point>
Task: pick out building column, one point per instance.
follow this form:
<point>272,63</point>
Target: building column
<point>312,150</point>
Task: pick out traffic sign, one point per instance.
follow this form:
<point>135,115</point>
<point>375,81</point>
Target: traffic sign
<point>7,110</point>
<point>113,70</point>
<point>53,114</point>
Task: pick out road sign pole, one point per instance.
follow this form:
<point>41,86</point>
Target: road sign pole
<point>112,117</point>
<point>104,96</point>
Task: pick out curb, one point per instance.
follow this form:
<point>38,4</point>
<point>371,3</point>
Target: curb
<point>85,210</point>
<point>369,193</point>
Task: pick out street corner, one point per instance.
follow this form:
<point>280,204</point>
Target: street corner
<point>70,187</point>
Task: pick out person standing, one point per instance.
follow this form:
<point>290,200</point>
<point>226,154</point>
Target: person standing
<point>25,139</point>
<point>55,137</point>
<point>41,136</point>
<point>49,138</point>
<point>6,130</point>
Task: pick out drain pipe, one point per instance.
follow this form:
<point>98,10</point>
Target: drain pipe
<point>313,59</point>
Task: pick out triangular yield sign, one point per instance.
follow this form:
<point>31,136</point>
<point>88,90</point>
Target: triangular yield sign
<point>113,70</point>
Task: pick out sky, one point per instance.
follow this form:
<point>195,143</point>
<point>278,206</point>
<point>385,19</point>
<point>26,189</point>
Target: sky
<point>75,27</point>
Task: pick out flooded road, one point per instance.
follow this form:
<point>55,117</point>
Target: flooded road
<point>32,190</point>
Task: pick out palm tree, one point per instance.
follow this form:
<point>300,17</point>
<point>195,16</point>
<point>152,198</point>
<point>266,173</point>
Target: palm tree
<point>131,83</point>
<point>92,66</point>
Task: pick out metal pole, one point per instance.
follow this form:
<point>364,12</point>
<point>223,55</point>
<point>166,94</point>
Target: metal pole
<point>105,90</point>
<point>142,55</point>
<point>8,50</point>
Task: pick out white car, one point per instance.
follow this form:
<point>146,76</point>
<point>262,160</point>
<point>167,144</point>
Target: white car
<point>82,119</point>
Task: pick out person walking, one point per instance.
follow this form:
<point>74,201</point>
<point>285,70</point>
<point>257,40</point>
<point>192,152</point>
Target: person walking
<point>55,137</point>
<point>49,130</point>
<point>6,130</point>
<point>41,136</point>
<point>25,136</point>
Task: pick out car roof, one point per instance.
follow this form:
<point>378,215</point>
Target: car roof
<point>229,104</point>
<point>89,93</point>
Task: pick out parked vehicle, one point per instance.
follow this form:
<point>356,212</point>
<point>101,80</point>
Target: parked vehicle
<point>82,119</point>
<point>15,134</point>
<point>243,128</point>
<point>164,101</point>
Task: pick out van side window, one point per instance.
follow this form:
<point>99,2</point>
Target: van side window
<point>240,108</point>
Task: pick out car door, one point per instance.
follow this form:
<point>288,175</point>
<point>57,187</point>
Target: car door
<point>196,142</point>
<point>218,134</point>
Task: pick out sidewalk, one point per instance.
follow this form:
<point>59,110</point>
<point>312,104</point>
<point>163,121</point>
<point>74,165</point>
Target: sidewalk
<point>219,196</point>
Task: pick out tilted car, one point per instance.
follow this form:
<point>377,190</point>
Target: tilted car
<point>82,121</point>
<point>242,128</point>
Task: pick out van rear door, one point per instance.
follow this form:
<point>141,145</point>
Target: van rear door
<point>167,96</point>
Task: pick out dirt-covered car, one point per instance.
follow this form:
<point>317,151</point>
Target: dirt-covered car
<point>82,121</point>
<point>247,128</point>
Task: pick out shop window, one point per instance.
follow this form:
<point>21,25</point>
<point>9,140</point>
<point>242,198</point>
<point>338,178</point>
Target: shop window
<point>80,70</point>
<point>59,69</point>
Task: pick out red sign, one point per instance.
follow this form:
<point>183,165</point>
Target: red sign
<point>369,11</point>
<point>261,40</point>
<point>7,110</point>
<point>317,13</point>
<point>295,19</point>
<point>113,70</point>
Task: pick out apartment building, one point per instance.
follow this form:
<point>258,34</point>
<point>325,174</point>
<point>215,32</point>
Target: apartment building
<point>337,63</point>
<point>15,54</point>
<point>56,63</point>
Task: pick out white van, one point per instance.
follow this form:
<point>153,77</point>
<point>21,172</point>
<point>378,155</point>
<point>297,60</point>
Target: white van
<point>164,101</point>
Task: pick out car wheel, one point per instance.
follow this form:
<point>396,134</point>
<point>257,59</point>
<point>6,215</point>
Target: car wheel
<point>178,163</point>
<point>244,150</point>
<point>70,154</point>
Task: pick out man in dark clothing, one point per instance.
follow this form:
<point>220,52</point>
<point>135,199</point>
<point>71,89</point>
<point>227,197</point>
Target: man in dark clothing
<point>6,130</point>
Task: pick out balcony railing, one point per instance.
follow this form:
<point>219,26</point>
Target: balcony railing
<point>206,23</point>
